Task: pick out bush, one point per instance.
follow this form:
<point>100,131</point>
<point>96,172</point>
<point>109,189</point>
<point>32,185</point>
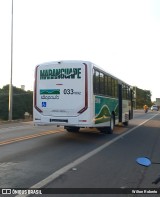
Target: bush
<point>22,102</point>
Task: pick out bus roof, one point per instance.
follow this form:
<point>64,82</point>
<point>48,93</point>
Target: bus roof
<point>87,62</point>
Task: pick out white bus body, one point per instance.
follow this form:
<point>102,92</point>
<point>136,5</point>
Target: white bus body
<point>64,96</point>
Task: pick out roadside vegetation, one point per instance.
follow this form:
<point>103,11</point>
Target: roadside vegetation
<point>143,97</point>
<point>22,102</point>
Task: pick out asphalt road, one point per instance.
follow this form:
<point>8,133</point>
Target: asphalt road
<point>50,157</point>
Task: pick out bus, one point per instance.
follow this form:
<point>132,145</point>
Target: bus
<point>80,94</point>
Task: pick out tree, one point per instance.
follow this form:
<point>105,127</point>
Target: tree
<point>22,102</point>
<point>143,97</point>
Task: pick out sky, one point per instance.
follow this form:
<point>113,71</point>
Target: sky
<point>120,36</point>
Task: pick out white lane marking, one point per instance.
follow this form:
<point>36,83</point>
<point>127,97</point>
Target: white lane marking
<point>78,161</point>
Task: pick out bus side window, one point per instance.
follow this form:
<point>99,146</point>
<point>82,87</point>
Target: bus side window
<point>116,88</point>
<point>96,82</point>
<point>101,84</point>
<point>106,85</point>
<point>109,86</point>
<point>113,87</point>
<point>125,91</point>
<point>128,93</point>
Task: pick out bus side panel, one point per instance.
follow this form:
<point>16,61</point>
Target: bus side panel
<point>104,107</point>
<point>126,107</point>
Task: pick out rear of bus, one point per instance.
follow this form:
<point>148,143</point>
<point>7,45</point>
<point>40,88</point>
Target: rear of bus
<point>61,94</point>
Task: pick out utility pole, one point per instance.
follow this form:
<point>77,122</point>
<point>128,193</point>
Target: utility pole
<point>10,106</point>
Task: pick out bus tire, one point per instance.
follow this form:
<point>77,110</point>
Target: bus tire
<point>111,127</point>
<point>125,123</point>
<point>72,129</point>
<point>108,130</point>
<point>102,129</point>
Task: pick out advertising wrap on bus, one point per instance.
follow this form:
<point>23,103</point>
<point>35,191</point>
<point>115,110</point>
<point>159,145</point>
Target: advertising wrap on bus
<point>56,83</point>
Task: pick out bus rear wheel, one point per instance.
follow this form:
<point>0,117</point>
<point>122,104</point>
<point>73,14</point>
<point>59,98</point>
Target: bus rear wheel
<point>109,129</point>
<point>125,123</point>
<point>72,129</point>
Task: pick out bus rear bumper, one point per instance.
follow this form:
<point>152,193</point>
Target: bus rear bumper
<point>63,121</point>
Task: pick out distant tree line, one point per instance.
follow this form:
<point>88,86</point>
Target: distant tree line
<point>22,102</point>
<point>142,97</point>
